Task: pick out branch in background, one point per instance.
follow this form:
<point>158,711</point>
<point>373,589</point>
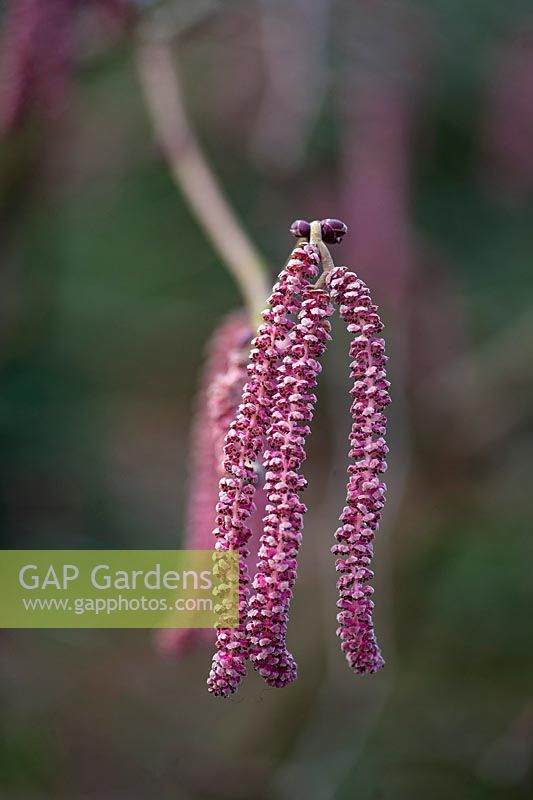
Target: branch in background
<point>173,19</point>
<point>189,167</point>
<point>295,78</point>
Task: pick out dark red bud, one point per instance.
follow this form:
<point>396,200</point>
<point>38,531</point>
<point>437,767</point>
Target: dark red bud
<point>332,230</point>
<point>301,228</point>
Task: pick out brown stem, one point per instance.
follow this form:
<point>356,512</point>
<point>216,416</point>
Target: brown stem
<point>193,175</point>
<point>315,238</point>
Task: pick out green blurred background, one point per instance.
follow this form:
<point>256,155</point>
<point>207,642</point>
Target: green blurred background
<point>411,121</point>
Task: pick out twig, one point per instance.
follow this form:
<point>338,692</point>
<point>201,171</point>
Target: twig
<point>189,167</point>
<point>325,256</point>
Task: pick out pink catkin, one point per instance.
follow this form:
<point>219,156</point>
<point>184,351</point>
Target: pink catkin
<point>292,411</point>
<point>220,388</point>
<point>223,397</point>
<point>243,445</point>
<point>223,349</point>
<point>365,492</point>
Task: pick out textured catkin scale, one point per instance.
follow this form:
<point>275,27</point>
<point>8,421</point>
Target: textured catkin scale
<point>217,399</point>
<point>365,491</point>
<point>243,444</point>
<point>292,411</point>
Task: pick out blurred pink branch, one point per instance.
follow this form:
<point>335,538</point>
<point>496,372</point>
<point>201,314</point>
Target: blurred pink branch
<point>376,155</point>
